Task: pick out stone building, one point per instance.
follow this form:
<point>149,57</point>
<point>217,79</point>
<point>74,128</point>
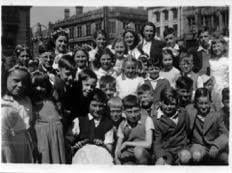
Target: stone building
<point>113,19</point>
<point>15,27</point>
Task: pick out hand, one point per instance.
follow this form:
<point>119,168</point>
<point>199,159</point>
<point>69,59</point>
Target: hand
<point>98,142</point>
<point>213,152</point>
<point>160,161</point>
<point>76,127</point>
<point>124,146</point>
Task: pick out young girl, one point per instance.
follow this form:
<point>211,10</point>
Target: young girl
<point>168,71</point>
<point>128,81</point>
<point>22,54</point>
<point>81,57</point>
<point>209,136</point>
<point>132,39</point>
<point>16,117</point>
<point>219,68</point>
<point>120,48</point>
<point>106,64</point>
<point>48,126</point>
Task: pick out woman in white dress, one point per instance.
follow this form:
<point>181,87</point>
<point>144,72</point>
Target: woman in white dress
<point>219,68</point>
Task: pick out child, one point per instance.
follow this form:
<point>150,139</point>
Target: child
<point>108,85</point>
<point>171,131</point>
<point>48,126</point>
<point>225,110</point>
<point>128,81</point>
<point>134,134</point>
<point>81,57</point>
<point>168,71</point>
<point>209,136</point>
<point>96,127</point>
<point>184,88</point>
<point>106,64</point>
<point>120,48</point>
<point>17,117</point>
<point>186,67</point>
<point>156,82</point>
<point>22,54</point>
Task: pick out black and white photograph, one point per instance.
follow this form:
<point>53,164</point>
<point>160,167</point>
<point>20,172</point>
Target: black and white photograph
<point>115,85</point>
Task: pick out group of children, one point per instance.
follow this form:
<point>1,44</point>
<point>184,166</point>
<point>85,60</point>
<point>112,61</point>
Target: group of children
<point>140,111</point>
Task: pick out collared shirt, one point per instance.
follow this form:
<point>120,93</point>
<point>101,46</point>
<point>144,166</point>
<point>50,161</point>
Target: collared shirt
<point>200,48</point>
<point>100,72</point>
<point>174,118</point>
<point>109,136</point>
<point>154,81</point>
<point>201,118</point>
<point>146,47</point>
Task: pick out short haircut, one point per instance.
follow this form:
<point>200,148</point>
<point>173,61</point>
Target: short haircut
<point>225,94</point>
<point>115,102</point>
<point>118,40</point>
<point>107,80</point>
<point>67,61</point>
<point>202,92</point>
<point>144,88</point>
<point>99,96</point>
<point>184,82</point>
<point>168,95</point>
<point>168,31</point>
<point>148,24</point>
<point>81,49</point>
<point>203,29</point>
<point>86,74</point>
<point>184,54</point>
<point>130,101</point>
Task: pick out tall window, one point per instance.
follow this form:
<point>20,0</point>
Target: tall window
<point>158,31</point>
<point>175,13</point>
<point>98,26</point>
<point>88,29</point>
<point>175,27</point>
<point>157,17</point>
<point>112,27</point>
<point>79,33</point>
<point>71,34</point>
<point>165,14</point>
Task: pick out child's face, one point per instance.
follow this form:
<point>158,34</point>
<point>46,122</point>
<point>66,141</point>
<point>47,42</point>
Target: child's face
<point>133,114</point>
<point>40,92</point>
<point>81,59</point>
<point>153,72</point>
<point>129,39</point>
<point>109,90</point>
<point>184,94</point>
<point>148,33</point>
<point>24,58</point>
<point>170,40</point>
<point>119,49</point>
<point>106,62</point>
<point>88,86</point>
<point>17,82</point>
<point>167,61</point>
<point>130,69</point>
<point>115,113</point>
<point>101,41</point>
<point>146,99</point>
<point>67,76</point>
<point>96,108</point>
<point>169,108</point>
<point>203,105</point>
<point>47,59</point>
<point>204,39</point>
<point>186,65</point>
<point>61,44</point>
<point>218,49</point>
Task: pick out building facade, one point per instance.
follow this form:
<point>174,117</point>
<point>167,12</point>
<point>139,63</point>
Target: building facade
<point>15,28</point>
<point>112,19</point>
<point>188,20</point>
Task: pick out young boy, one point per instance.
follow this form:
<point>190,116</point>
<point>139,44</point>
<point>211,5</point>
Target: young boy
<point>171,131</point>
<point>184,88</point>
<point>134,134</point>
<point>108,85</point>
<point>156,82</point>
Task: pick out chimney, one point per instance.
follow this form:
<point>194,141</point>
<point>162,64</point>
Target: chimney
<point>79,10</point>
<point>66,13</point>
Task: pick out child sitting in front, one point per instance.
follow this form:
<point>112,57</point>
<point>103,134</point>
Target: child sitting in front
<point>156,82</point>
<point>108,85</point>
<point>134,134</point>
<point>184,88</point>
<point>171,131</point>
<point>168,71</point>
<point>128,81</point>
<point>209,135</point>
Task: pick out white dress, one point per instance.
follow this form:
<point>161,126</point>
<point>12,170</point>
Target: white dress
<point>219,69</point>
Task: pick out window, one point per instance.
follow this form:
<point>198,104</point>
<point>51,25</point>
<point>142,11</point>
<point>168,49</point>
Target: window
<point>98,26</point>
<point>112,27</point>
<point>157,17</point>
<point>79,34</point>
<point>175,12</point>
<point>166,15</point>
<point>158,31</point>
<point>71,34</point>
<point>88,29</point>
<point>175,27</point>
<point>137,27</point>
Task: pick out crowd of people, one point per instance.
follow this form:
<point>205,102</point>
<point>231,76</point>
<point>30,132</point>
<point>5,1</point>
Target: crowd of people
<point>144,100</point>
